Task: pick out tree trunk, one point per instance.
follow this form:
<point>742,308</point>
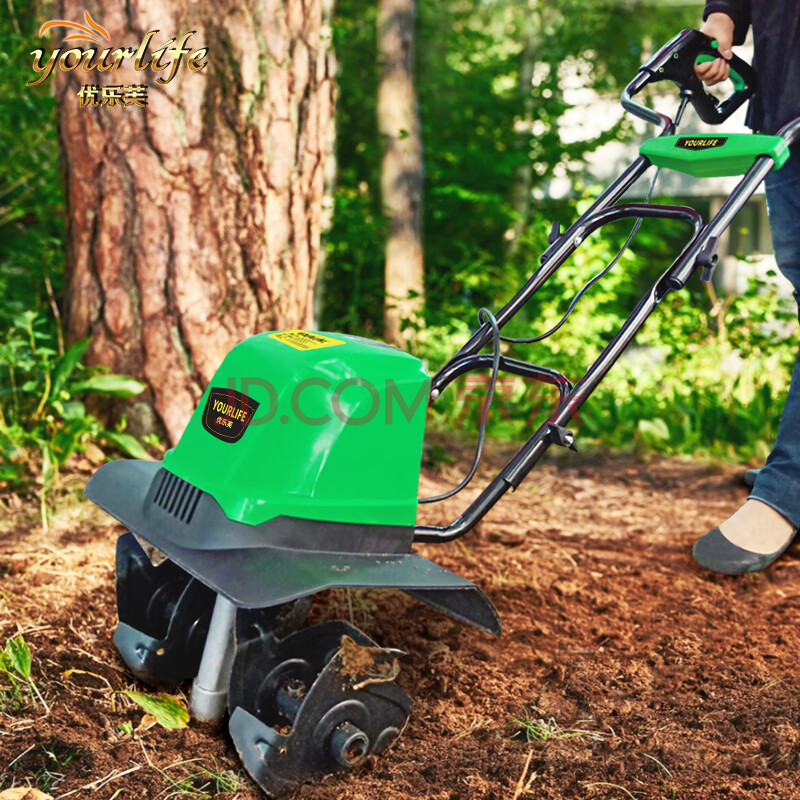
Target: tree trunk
<point>195,222</point>
<point>402,168</point>
<point>329,179</point>
<point>523,176</point>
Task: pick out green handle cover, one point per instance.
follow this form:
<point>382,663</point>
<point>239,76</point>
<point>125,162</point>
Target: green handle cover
<point>736,79</point>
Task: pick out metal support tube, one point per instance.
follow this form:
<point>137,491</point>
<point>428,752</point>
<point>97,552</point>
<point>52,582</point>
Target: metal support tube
<point>790,131</point>
<point>210,688</point>
<point>729,209</point>
<point>456,368</point>
<point>643,112</point>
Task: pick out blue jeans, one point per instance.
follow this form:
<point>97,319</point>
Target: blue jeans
<point>778,484</point>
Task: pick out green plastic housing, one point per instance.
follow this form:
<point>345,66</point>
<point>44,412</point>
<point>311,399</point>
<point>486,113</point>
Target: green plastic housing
<point>737,80</point>
<point>337,435</point>
<point>714,156</point>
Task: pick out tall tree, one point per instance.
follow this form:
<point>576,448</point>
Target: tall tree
<point>530,26</point>
<point>402,167</point>
<point>195,222</point>
<point>482,140</point>
<point>329,171</point>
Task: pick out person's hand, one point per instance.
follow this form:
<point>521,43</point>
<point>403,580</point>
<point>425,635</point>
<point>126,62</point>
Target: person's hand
<point>718,26</point>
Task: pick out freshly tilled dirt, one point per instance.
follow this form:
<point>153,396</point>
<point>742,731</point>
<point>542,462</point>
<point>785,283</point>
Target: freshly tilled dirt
<point>642,675</point>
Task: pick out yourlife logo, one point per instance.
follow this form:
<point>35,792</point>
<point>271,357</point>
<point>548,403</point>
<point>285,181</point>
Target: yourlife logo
<point>700,142</point>
<point>165,61</point>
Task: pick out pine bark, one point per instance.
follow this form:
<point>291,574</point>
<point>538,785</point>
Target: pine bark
<point>401,169</point>
<point>195,222</point>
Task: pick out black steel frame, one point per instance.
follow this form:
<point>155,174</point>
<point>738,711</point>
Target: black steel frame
<point>699,251</point>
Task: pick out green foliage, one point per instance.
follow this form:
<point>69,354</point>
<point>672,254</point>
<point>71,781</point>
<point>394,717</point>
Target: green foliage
<point>31,197</point>
<point>17,655</point>
<point>707,376</point>
<point>198,782</point>
<point>15,668</point>
<point>540,730</point>
<point>42,403</point>
<point>472,110</point>
<point>695,383</point>
<point>167,711</point>
<point>353,280</point>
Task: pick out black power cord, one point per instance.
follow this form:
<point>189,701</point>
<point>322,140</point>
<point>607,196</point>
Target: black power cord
<point>484,315</point>
<point>592,281</point>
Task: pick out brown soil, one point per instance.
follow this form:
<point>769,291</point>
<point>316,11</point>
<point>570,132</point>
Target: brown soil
<point>645,676</point>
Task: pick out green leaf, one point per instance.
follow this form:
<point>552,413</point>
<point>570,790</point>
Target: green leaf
<point>168,711</point>
<point>654,430</point>
<point>114,385</point>
<point>73,410</point>
<point>19,656</point>
<point>67,364</point>
<point>129,445</point>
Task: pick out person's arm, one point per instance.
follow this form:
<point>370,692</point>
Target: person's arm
<point>726,21</point>
<point>737,10</point>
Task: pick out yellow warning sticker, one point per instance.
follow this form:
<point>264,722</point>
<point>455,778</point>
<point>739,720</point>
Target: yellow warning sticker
<point>305,340</point>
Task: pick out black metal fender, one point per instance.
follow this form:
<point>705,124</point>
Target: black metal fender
<point>280,560</point>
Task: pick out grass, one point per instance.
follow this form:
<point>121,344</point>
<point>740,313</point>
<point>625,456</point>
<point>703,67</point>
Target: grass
<point>200,783</point>
<point>15,669</point>
<point>670,792</point>
<point>541,730</point>
<point>56,757</point>
<point>630,795</point>
<point>13,700</point>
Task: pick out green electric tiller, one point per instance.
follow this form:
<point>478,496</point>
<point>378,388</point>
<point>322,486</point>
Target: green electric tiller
<point>298,472</point>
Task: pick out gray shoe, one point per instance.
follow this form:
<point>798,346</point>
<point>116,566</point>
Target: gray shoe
<point>713,551</point>
<point>751,475</point>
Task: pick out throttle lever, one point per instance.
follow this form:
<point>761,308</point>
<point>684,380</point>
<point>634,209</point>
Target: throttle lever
<point>676,61</point>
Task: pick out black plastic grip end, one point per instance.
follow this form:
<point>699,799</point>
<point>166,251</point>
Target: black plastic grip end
<point>676,62</point>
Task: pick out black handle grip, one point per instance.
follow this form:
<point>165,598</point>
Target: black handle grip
<point>675,62</point>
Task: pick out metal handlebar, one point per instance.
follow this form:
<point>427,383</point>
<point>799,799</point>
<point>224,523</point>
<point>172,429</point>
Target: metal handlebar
<point>643,112</point>
<point>676,62</point>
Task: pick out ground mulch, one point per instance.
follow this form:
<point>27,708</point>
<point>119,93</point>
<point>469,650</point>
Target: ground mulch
<point>639,674</point>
